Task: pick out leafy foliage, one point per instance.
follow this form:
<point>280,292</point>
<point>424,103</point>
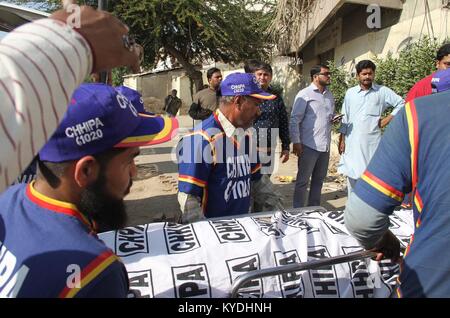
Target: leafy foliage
<point>196,31</point>
<point>414,62</point>
<point>117,75</point>
<point>191,32</point>
<point>340,83</point>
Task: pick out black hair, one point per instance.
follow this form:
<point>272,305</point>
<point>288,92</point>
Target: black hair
<point>251,65</point>
<point>443,52</point>
<point>211,71</point>
<point>53,171</point>
<point>316,69</point>
<point>265,67</point>
<point>365,64</point>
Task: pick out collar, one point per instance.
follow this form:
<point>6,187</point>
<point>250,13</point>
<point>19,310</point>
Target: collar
<point>315,88</point>
<point>227,126</point>
<point>58,207</point>
<point>374,87</point>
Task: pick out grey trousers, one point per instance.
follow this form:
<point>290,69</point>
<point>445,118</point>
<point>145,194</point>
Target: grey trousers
<point>312,165</point>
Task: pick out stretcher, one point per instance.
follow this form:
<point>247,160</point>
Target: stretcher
<point>243,280</point>
<point>294,253</point>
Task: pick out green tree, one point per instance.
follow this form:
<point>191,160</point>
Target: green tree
<point>195,31</point>
<point>414,62</point>
<point>340,83</point>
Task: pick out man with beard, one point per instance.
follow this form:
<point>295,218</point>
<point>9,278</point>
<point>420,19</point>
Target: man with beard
<point>310,128</point>
<point>49,243</point>
<point>361,126</point>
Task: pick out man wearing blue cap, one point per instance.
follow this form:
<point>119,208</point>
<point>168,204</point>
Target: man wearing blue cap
<point>85,171</point>
<point>218,160</point>
<point>412,157</point>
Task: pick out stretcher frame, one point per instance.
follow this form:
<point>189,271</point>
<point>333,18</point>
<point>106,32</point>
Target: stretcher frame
<point>241,280</point>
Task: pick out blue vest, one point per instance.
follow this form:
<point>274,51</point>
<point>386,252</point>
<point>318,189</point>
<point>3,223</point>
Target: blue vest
<point>49,249</point>
<point>414,156</point>
<point>218,169</point>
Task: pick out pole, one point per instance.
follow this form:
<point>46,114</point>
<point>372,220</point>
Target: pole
<point>103,5</point>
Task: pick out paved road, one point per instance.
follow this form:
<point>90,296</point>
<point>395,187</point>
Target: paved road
<point>153,195</point>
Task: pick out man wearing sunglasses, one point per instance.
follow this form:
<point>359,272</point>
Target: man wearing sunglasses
<point>310,129</point>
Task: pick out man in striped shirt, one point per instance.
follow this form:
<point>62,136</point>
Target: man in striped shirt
<point>41,64</point>
<point>49,246</point>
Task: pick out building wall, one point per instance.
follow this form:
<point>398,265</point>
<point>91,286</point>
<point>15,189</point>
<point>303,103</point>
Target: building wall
<point>418,18</point>
<point>156,86</point>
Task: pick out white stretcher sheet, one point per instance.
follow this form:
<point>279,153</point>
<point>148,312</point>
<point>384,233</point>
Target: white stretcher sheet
<point>203,259</point>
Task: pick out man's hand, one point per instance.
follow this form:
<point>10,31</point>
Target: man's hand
<point>388,247</point>
<point>385,121</point>
<point>341,146</point>
<point>297,149</point>
<point>105,34</point>
<point>285,156</point>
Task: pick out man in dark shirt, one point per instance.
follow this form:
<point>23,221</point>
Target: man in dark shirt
<point>206,101</point>
<point>272,123</point>
<point>172,103</point>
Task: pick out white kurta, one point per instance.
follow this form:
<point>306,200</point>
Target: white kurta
<point>362,111</point>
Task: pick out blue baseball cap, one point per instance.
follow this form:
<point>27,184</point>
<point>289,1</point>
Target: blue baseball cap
<point>99,118</point>
<point>243,84</point>
<point>440,81</point>
<point>134,97</point>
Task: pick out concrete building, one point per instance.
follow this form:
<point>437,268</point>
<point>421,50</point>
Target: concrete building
<point>157,84</point>
<point>348,31</point>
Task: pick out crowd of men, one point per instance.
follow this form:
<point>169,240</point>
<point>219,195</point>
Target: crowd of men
<point>84,138</point>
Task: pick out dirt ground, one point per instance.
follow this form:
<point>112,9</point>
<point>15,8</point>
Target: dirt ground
<point>153,196</point>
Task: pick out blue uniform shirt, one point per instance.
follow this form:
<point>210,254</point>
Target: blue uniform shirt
<point>48,249</point>
<point>218,169</point>
<point>414,156</point>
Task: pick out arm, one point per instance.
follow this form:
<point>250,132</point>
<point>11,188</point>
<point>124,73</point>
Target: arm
<point>413,93</point>
<point>41,64</point>
<point>344,127</point>
<point>194,164</point>
<point>371,229</point>
<point>284,131</point>
<point>112,282</point>
<point>385,121</point>
<point>381,189</point>
<point>297,115</point>
<point>393,100</point>
<point>191,208</point>
<point>341,146</point>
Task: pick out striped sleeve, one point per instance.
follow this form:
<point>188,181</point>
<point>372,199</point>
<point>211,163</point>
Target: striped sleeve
<point>388,175</point>
<point>41,64</point>
<point>195,162</point>
<point>104,276</point>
